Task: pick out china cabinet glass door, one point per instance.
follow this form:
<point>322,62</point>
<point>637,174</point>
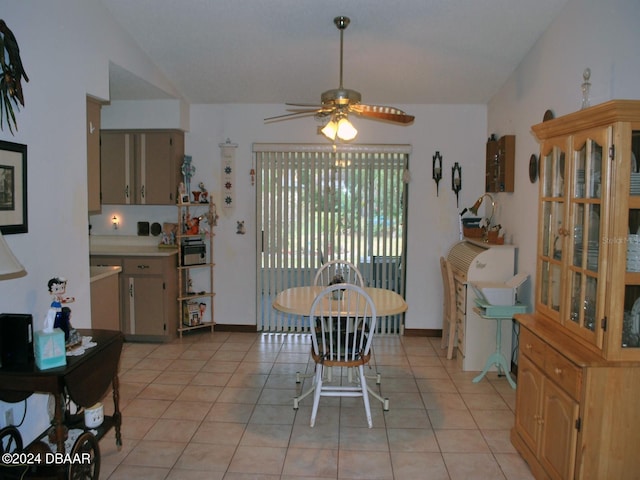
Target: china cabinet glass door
<point>585,206</point>
<point>631,315</point>
<point>552,233</point>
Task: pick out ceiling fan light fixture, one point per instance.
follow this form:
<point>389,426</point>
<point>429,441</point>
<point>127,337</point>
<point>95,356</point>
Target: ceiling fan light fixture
<point>330,130</point>
<point>346,130</point>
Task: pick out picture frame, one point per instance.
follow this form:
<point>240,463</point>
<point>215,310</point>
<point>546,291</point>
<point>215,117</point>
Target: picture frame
<point>13,188</point>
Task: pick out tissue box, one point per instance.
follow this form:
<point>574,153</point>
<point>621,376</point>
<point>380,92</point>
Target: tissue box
<point>499,293</point>
<point>49,349</point>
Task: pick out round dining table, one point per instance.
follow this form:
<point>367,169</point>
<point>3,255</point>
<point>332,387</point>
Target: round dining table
<point>298,300</point>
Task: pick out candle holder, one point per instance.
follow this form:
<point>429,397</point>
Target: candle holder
<point>456,180</point>
<point>436,167</point>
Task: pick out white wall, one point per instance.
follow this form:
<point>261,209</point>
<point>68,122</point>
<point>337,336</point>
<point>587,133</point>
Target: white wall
<point>603,36</point>
<point>457,131</point>
<point>65,47</point>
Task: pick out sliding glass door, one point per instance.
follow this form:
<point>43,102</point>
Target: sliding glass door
<point>317,203</point>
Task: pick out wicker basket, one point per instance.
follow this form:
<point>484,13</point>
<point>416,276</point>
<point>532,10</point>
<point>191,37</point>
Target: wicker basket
<point>472,232</point>
<point>492,237</point>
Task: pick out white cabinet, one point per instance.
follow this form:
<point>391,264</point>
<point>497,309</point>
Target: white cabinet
<point>478,261</point>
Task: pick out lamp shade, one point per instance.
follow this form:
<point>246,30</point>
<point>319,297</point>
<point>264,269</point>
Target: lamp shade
<point>330,129</point>
<point>10,267</point>
<point>346,131</point>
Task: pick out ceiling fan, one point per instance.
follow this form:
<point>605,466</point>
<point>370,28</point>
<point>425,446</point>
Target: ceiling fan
<point>337,103</point>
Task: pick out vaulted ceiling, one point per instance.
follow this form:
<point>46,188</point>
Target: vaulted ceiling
<point>277,51</point>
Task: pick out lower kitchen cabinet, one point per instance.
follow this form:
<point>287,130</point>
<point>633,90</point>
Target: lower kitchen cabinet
<point>576,413</point>
<point>148,293</point>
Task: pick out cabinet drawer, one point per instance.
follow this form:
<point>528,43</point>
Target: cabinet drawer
<point>143,266</point>
<point>532,347</point>
<point>566,374</point>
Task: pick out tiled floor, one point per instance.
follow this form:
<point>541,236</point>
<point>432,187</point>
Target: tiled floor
<point>219,406</point>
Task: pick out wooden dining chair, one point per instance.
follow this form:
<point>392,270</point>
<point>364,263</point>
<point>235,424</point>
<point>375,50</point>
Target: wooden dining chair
<point>344,342</point>
<point>448,308</point>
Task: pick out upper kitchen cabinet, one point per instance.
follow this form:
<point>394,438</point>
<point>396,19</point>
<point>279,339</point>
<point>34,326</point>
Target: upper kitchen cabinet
<point>93,155</point>
<point>588,268</point>
<point>140,167</point>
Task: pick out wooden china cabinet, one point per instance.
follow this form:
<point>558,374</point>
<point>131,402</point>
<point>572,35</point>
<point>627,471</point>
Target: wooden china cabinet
<point>578,396</point>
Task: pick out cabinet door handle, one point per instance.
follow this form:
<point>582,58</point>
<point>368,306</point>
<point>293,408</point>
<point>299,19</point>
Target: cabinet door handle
<point>528,346</point>
<point>142,267</point>
<point>558,371</point>
<point>142,191</point>
<point>126,191</point>
<point>131,291</point>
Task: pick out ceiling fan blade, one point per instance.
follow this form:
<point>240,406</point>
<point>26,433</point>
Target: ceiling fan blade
<point>310,105</point>
<point>288,116</point>
<point>380,112</point>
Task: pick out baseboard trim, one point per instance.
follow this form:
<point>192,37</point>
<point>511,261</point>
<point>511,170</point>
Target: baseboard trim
<point>422,332</point>
<point>234,328</point>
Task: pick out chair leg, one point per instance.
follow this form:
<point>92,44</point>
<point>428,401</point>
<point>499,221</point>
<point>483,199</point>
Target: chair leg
<point>365,395</point>
<point>451,340</point>
<point>316,393</point>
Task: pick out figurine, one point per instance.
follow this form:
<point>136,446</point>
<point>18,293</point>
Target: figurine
<point>204,195</point>
<point>59,316</point>
<point>192,225</point>
<point>187,172</point>
<point>240,227</point>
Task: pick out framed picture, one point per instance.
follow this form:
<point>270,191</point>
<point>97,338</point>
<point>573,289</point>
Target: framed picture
<point>13,188</point>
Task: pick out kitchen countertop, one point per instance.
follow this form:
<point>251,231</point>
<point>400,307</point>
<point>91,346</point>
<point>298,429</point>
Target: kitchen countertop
<point>120,245</point>
<point>98,273</point>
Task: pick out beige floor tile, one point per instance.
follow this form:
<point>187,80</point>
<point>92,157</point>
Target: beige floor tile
<point>182,474</point>
<point>159,391</point>
<point>499,441</point>
<point>412,440</point>
<point>262,435</point>
<point>220,407</point>
<point>182,410</point>
<point>148,408</point>
<point>203,456</point>
<point>219,433</point>
<point>273,414</point>
<point>253,459</point>
<point>468,441</point>
<point>154,453</point>
<point>127,472</point>
<point>230,412</point>
<point>414,466</point>
<point>200,393</point>
<point>407,418</point>
<point>311,462</point>
<point>514,466</point>
<point>365,465</point>
<point>367,439</point>
<point>174,378</point>
<point>448,418</point>
<point>171,430</point>
<point>239,395</point>
<point>472,466</point>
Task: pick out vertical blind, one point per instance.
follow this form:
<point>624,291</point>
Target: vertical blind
<point>317,203</point>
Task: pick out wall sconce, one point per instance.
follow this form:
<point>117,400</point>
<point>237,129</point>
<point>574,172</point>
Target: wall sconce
<point>436,168</point>
<point>456,180</point>
<point>115,222</point>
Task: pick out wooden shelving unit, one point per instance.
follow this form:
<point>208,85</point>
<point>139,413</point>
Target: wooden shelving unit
<point>195,266</point>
